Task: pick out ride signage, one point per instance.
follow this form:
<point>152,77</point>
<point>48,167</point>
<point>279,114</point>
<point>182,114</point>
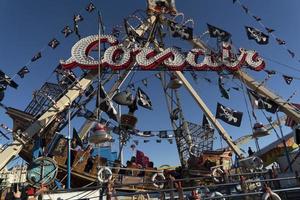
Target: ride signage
<point>119,57</point>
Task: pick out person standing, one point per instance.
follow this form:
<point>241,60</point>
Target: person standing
<point>250,152</point>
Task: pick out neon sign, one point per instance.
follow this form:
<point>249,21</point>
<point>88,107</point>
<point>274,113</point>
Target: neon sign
<point>118,57</point>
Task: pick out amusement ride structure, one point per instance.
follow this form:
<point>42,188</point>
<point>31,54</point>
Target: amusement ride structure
<point>139,45</point>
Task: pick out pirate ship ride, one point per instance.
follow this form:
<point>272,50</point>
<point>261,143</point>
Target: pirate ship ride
<point>55,160</point>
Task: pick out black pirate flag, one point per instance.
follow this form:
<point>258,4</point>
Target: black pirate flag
<point>78,18</point>
<point>145,82</point>
<point>90,7</point>
<point>5,81</point>
<point>105,104</point>
<point>163,134</point>
<point>181,31</point>
<point>24,70</point>
<point>257,18</point>
<point>229,115</point>
<point>223,91</point>
<point>147,133</point>
<point>207,79</point>
<point>260,102</point>
<point>67,31</point>
<point>245,9</point>
<point>143,99</point>
<point>205,123</point>
<point>77,138</point>
<point>2,94</point>
<point>36,57</point>
<point>292,54</point>
<point>280,41</point>
<point>216,32</point>
<point>287,79</point>
<point>257,35</point>
<point>270,72</point>
<point>236,88</point>
<point>269,30</point>
<point>53,43</point>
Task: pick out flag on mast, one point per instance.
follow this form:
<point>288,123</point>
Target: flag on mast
<point>229,115</point>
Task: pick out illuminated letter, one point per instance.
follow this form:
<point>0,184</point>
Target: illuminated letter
<point>80,51</point>
<point>254,61</point>
<point>117,57</point>
<point>148,59</point>
<point>209,61</point>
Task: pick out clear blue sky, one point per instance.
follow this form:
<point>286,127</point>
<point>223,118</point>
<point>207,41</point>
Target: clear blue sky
<point>28,26</point>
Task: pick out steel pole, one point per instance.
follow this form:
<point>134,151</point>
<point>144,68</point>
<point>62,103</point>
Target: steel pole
<point>69,151</point>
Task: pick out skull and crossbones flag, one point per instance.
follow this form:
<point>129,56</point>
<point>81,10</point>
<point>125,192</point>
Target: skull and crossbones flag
<point>161,6</point>
<point>90,7</point>
<point>36,57</point>
<point>229,115</point>
<point>53,43</point>
<point>105,104</point>
<point>5,81</point>
<point>143,99</point>
<point>66,31</point>
<point>24,70</point>
<point>76,19</point>
<point>260,102</point>
<point>181,31</point>
<point>257,35</point>
<point>216,32</point>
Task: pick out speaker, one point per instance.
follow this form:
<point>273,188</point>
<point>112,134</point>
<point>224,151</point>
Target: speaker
<point>297,135</point>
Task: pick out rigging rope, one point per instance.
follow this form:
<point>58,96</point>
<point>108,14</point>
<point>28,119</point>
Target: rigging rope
<point>243,85</point>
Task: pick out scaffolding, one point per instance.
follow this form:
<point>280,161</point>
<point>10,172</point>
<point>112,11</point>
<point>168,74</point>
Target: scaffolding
<point>44,98</point>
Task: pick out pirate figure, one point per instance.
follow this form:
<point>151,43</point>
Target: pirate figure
<point>161,6</point>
